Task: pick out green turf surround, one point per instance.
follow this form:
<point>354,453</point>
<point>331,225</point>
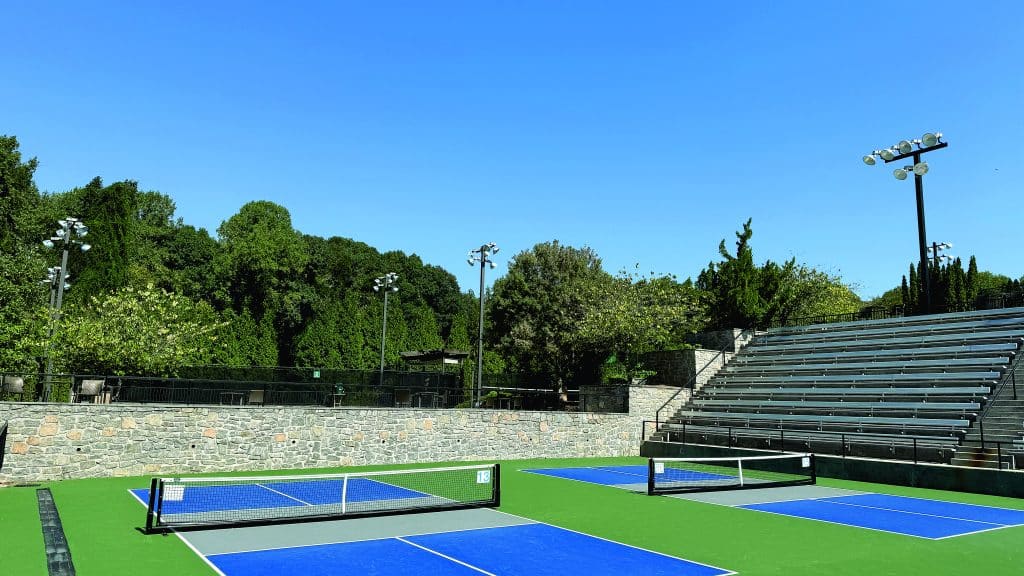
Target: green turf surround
<point>101,521</point>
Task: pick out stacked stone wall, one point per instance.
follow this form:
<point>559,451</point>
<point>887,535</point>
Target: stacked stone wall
<point>58,441</point>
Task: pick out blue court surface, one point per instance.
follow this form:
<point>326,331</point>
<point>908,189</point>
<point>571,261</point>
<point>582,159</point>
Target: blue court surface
<point>461,542</point>
<point>279,495</point>
<point>919,517</point>
<point>620,475</point>
<point>537,549</point>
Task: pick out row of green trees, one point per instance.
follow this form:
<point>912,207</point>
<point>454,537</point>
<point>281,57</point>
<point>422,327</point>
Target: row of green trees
<point>155,294</point>
<point>953,289</point>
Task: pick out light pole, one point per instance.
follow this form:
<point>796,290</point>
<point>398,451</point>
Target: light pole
<point>483,255</point>
<point>936,248</point>
<point>65,235</point>
<point>914,149</point>
<point>385,284</point>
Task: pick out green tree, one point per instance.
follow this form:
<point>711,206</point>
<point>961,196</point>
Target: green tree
<point>261,263</point>
<point>18,194</point>
<point>137,331</point>
<point>536,310</point>
<point>633,314</point>
<point>109,212</point>
<point>23,319</point>
<point>734,285</point>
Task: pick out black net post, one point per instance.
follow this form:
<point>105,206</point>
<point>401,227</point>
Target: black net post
<point>650,476</point>
<point>151,511</point>
<point>496,493</point>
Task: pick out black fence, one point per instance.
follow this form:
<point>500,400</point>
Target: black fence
<point>216,385</point>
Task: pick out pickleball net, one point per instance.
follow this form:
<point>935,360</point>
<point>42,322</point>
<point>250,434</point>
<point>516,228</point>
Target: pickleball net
<point>675,475</point>
<point>176,503</point>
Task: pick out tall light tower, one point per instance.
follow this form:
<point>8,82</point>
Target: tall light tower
<point>385,284</point>
<point>483,255</point>
<point>70,228</point>
<point>914,149</point>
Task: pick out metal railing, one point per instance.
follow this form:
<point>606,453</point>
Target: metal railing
<point>821,442</point>
<point>691,383</point>
<point>991,301</point>
<point>1008,379</point>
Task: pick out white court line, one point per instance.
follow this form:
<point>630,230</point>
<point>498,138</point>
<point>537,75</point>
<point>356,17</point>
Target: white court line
<point>365,539</point>
<point>724,571</point>
<point>283,494</point>
<point>183,539</point>
<point>446,557</point>
<point>947,502</point>
<point>916,513</point>
<point>619,486</point>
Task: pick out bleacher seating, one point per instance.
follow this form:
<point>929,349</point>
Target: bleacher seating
<point>876,388</point>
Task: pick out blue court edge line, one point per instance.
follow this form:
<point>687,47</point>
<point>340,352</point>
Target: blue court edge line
<point>872,518</point>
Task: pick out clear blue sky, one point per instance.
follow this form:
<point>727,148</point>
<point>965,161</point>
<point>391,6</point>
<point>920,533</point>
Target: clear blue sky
<point>648,131</point>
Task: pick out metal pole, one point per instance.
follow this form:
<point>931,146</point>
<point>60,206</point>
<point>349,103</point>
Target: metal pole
<point>384,331</point>
<point>480,334</point>
<point>922,242</point>
<point>48,386</point>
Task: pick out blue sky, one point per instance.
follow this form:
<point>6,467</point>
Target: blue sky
<point>648,131</point>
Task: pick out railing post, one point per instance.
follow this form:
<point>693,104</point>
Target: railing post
<point>981,428</point>
<point>728,443</point>
<point>1013,381</point>
<point>782,440</point>
<point>915,450</point>
<point>842,439</point>
<point>999,455</point>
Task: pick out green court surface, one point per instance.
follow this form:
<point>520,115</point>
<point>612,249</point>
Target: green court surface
<point>102,522</point>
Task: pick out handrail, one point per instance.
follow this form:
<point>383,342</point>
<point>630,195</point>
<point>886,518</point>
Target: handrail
<point>1010,376</point>
<point>691,384</point>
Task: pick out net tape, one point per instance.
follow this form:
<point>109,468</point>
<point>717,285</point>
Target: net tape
<point>199,502</point>
<point>673,475</point>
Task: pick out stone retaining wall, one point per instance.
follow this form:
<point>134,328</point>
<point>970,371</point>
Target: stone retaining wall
<point>58,441</point>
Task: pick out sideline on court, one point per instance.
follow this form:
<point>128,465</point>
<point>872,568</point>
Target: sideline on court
<point>918,517</point>
<point>454,542</point>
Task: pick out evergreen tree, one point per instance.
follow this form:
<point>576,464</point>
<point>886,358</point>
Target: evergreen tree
<point>971,283</point>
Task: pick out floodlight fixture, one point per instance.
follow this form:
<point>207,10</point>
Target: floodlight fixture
<point>385,284</point>
<point>904,147</point>
<point>920,169</point>
<point>483,255</point>
<point>931,139</point>
<point>869,159</point>
<point>901,173</point>
<point>886,154</point>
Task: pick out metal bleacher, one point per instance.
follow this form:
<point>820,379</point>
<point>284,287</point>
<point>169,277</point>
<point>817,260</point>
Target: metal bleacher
<point>894,388</point>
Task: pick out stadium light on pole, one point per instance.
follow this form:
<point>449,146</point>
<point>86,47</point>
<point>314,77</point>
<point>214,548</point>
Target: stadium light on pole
<point>936,248</point>
<point>914,149</point>
<point>57,277</point>
<point>483,255</point>
<point>385,284</point>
